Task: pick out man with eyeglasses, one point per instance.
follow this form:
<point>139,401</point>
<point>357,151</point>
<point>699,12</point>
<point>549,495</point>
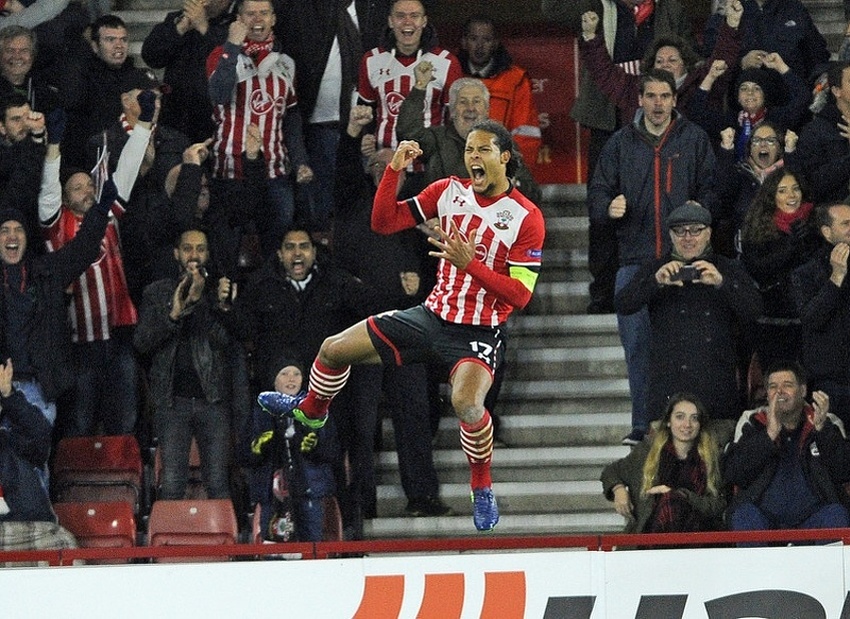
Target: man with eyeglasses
<point>645,170</point>
<point>697,302</point>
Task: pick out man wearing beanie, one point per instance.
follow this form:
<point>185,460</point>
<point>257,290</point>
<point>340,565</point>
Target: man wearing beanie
<point>697,303</point>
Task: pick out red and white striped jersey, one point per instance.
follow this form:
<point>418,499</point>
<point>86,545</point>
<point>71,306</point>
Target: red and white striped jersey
<point>509,231</point>
<point>100,298</point>
<point>262,96</point>
<point>386,79</point>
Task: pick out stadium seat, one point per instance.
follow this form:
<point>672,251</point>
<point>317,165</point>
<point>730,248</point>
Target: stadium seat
<point>99,525</point>
<point>98,469</point>
<point>195,487</point>
<point>192,522</point>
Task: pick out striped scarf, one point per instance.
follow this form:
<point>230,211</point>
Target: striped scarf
<point>257,50</point>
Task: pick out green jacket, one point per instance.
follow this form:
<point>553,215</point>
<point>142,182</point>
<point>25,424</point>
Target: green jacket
<point>629,472</point>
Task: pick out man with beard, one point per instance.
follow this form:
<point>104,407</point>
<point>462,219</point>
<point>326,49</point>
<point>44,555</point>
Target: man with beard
<point>822,296</point>
<point>180,328</point>
<point>788,460</point>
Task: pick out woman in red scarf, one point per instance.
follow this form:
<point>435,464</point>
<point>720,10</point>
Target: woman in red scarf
<point>777,238</point>
<point>671,482</point>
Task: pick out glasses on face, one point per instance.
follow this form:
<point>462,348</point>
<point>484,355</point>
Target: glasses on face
<point>749,89</point>
<point>771,141</point>
<point>682,231</point>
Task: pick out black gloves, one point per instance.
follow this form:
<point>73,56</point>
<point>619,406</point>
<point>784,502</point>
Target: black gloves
<point>147,105</point>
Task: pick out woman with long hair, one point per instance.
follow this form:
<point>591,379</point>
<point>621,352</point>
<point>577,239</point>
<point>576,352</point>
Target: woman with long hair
<point>776,238</point>
<point>670,482</point>
<point>769,148</point>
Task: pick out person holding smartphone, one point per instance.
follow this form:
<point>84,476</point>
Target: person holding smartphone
<point>698,303</point>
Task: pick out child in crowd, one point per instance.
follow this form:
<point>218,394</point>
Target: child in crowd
<point>292,467</point>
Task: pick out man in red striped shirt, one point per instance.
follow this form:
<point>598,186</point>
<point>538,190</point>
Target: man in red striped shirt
<point>101,314</point>
<point>489,243</point>
<point>251,82</point>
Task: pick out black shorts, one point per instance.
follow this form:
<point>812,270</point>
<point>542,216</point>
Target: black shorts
<point>418,335</point>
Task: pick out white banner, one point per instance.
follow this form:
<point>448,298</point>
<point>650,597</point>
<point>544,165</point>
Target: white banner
<point>772,583</point>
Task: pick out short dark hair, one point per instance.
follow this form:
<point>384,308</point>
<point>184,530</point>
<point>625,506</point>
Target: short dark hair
<point>823,216</point>
<point>105,21</point>
<point>199,229</point>
<point>10,100</point>
<point>787,365</point>
<point>503,140</point>
<point>657,75</point>
<point>478,19</point>
<point>297,226</point>
<point>241,3</point>
<point>422,2</point>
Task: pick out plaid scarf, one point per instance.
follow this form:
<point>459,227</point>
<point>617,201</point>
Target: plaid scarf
<point>672,513</point>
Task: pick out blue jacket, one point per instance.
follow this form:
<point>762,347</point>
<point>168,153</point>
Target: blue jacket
<point>655,179</point>
<point>785,27</point>
<point>24,448</point>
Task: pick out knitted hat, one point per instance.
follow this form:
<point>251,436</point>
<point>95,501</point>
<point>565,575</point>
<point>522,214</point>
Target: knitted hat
<point>12,214</point>
<point>769,82</point>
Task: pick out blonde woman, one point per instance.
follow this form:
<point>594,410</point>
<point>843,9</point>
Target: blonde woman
<point>671,481</point>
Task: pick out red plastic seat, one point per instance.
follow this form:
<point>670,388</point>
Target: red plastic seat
<point>99,525</point>
<point>195,486</point>
<point>98,469</point>
<point>192,522</point>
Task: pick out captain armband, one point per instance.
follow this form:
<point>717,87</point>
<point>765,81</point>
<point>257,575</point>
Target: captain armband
<point>524,275</point>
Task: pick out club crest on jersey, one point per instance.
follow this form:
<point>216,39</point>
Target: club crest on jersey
<point>261,103</point>
<point>394,101</point>
<point>503,220</point>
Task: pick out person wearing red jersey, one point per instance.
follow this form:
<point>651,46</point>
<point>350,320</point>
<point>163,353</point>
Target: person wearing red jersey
<point>252,82</point>
<point>387,76</point>
<point>489,243</point>
<point>101,314</point>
